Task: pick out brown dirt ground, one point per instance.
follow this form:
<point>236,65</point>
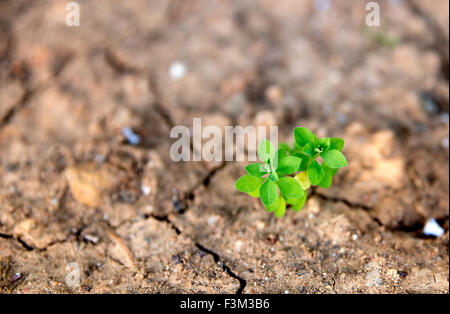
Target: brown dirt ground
<point>70,184</point>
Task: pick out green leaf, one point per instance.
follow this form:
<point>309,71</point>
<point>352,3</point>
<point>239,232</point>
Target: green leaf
<point>274,162</point>
<point>324,143</point>
<point>256,169</point>
<point>300,203</point>
<point>281,209</point>
<point>288,165</point>
<point>248,183</point>
<point>266,150</point>
<point>281,153</point>
<point>315,173</point>
<point>273,176</point>
<point>254,193</point>
<point>336,143</point>
<point>296,147</point>
<point>305,160</point>
<point>270,208</point>
<point>290,188</point>
<point>302,178</point>
<point>284,146</point>
<point>308,150</point>
<point>303,136</point>
<point>327,178</point>
<point>268,192</point>
<point>334,158</point>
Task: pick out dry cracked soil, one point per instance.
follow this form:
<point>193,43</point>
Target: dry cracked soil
<point>76,195</point>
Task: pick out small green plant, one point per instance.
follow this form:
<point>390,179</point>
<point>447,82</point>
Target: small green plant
<point>287,173</point>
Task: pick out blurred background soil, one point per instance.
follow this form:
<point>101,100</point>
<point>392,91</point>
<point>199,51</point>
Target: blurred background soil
<point>74,190</point>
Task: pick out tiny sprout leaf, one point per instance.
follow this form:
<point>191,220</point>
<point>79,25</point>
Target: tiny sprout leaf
<point>248,183</point>
<point>273,176</point>
<point>288,165</point>
<point>308,150</point>
<point>266,150</point>
<point>255,193</point>
<point>268,192</point>
<point>281,208</point>
<point>270,208</point>
<point>281,153</point>
<point>327,178</point>
<point>256,169</point>
<point>303,136</point>
<point>290,188</point>
<point>336,143</point>
<point>284,146</point>
<point>304,163</point>
<point>324,143</point>
<point>296,206</point>
<point>315,173</point>
<point>302,178</point>
<point>334,158</point>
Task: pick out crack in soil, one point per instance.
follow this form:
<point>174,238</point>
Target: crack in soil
<point>120,66</point>
<point>203,182</point>
<point>340,200</point>
<point>227,269</point>
<point>346,202</point>
<point>217,259</point>
<point>18,106</point>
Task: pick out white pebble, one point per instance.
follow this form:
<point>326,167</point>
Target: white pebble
<point>146,190</point>
<point>432,228</point>
<point>177,70</point>
<point>354,237</point>
<point>212,220</point>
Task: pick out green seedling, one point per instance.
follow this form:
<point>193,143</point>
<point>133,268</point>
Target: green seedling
<point>286,173</point>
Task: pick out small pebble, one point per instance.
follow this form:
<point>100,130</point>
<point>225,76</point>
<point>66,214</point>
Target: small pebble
<point>401,273</point>
<point>354,237</point>
<point>145,190</point>
<point>212,220</point>
<point>99,158</point>
<point>131,137</point>
<point>176,259</point>
<point>432,228</point>
<point>177,205</point>
<point>15,277</point>
<point>177,70</point>
<point>91,238</point>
